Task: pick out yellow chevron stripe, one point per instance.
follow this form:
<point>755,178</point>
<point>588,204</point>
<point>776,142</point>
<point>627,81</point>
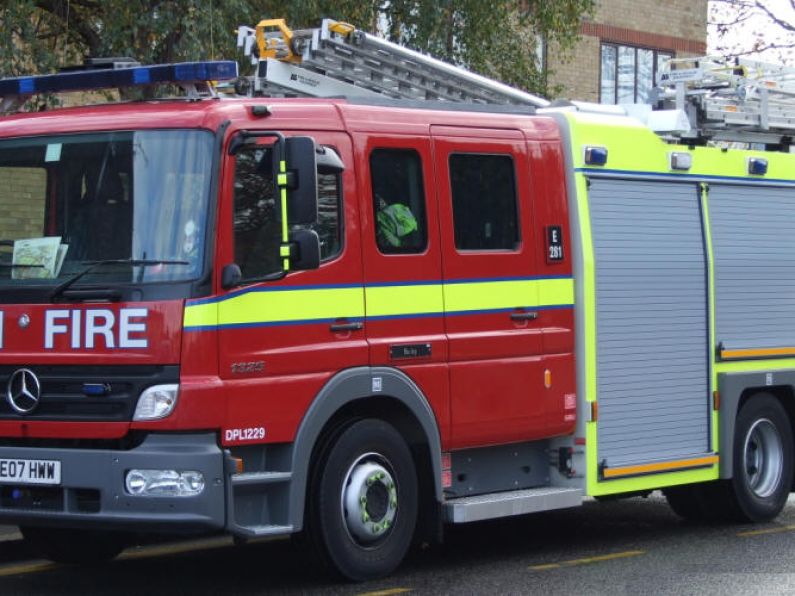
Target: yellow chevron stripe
<point>291,305</point>
<point>555,292</point>
<point>490,295</point>
<point>307,304</point>
<point>201,315</point>
<point>384,301</point>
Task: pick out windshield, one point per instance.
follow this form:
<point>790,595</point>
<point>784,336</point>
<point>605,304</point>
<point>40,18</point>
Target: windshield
<point>67,202</point>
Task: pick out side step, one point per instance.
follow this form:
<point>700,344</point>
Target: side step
<point>470,509</point>
<point>260,531</point>
<point>260,478</point>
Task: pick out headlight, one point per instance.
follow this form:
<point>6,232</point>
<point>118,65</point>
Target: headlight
<point>164,483</point>
<point>156,402</point>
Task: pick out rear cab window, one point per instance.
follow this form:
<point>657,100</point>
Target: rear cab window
<point>398,201</point>
<point>485,214</point>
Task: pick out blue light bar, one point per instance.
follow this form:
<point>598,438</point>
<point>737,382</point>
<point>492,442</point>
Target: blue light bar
<point>92,80</point>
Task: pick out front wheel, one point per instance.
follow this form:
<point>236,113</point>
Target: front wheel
<point>763,460</point>
<point>64,545</point>
<point>363,503</point>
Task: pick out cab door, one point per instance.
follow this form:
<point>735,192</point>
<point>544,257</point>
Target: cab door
<point>280,341</point>
<point>404,299</point>
<point>492,319</point>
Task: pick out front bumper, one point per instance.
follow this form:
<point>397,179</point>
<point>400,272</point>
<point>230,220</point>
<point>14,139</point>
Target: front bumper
<point>92,493</point>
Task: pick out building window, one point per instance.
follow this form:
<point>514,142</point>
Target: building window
<point>628,73</point>
<point>483,188</point>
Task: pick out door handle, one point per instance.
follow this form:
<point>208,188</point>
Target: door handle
<point>524,316</point>
<point>339,327</point>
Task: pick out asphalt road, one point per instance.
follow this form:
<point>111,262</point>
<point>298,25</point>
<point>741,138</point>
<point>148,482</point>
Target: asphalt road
<point>629,547</point>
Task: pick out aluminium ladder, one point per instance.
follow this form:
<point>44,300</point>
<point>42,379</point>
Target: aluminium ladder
<point>732,100</point>
<point>697,99</point>
<point>338,60</point>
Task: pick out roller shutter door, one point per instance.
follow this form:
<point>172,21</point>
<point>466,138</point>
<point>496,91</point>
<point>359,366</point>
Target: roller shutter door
<point>652,329</point>
<point>753,239</point>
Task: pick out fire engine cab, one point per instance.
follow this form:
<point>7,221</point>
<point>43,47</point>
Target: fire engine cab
<point>435,300</point>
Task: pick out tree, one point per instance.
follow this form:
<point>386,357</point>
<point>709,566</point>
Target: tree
<point>763,28</point>
<point>41,35</point>
<point>498,39</point>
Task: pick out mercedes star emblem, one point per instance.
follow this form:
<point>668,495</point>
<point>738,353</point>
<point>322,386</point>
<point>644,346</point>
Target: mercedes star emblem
<point>24,321</point>
<point>24,391</point>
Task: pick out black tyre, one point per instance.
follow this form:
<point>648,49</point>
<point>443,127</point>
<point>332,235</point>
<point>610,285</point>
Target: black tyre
<point>686,502</point>
<point>64,545</point>
<point>362,506</point>
<point>763,460</point>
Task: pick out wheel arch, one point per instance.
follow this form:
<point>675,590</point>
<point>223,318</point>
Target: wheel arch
<point>352,394</point>
<point>735,390</point>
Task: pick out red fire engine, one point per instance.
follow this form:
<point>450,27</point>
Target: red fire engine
<point>358,319</point>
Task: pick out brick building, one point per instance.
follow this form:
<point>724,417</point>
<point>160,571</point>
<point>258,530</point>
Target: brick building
<point>622,46</point>
<point>22,192</point>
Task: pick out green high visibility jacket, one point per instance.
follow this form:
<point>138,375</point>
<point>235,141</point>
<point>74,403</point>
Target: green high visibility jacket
<point>395,222</point>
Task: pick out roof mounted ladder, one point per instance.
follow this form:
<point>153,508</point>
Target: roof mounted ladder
<point>732,100</point>
<point>338,60</point>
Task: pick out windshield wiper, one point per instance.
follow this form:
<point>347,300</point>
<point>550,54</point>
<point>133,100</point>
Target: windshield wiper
<point>61,288</point>
<point>21,265</point>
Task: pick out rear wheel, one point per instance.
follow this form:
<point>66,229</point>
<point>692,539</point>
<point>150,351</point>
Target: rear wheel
<point>763,460</point>
<point>363,501</point>
<point>64,545</point>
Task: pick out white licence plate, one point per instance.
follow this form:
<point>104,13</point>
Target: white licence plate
<point>30,471</point>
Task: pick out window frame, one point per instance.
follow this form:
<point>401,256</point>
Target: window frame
<point>657,54</point>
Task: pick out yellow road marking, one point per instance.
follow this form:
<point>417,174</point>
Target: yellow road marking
<point>137,553</point>
<point>26,568</point>
<point>588,560</point>
<point>177,548</point>
<point>767,531</point>
<point>386,592</point>
<point>545,567</point>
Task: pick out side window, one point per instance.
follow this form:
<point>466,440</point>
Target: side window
<point>483,188</point>
<point>398,201</point>
<point>257,217</point>
<point>329,208</point>
<point>256,214</point>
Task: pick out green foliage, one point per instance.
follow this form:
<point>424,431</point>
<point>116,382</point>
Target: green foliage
<point>498,38</point>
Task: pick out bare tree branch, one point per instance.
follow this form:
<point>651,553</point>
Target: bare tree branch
<point>781,22</point>
<point>743,27</point>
